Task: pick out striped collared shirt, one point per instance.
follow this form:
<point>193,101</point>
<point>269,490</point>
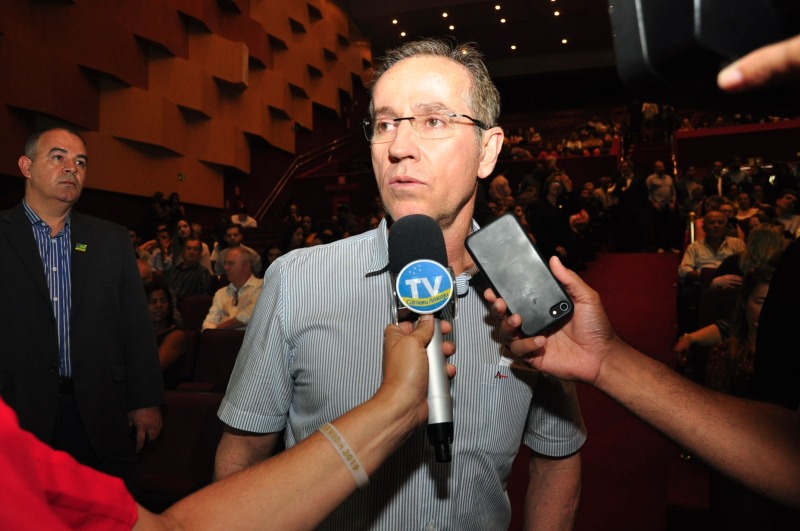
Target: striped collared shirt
<point>56,253</point>
<point>313,351</point>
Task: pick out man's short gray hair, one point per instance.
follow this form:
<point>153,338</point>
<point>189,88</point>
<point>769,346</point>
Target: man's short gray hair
<point>484,98</point>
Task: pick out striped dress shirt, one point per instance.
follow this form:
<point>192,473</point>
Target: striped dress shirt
<point>56,253</point>
<point>313,351</point>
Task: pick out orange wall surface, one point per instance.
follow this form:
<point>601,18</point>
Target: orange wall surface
<point>168,91</point>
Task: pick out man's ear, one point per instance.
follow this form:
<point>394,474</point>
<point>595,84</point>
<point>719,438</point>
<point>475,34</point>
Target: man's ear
<point>492,144</point>
<point>24,164</point>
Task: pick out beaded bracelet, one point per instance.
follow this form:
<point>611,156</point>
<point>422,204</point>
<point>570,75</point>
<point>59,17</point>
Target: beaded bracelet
<point>349,457</point>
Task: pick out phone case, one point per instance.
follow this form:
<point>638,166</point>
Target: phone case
<point>519,274</point>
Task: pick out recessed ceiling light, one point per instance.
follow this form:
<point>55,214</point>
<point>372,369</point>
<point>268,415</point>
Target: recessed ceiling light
<point>563,41</point>
<point>557,13</point>
<point>402,33</point>
<point>394,21</point>
<point>497,7</point>
<point>502,21</point>
<point>451,27</point>
<point>444,15</point>
<point>513,46</point>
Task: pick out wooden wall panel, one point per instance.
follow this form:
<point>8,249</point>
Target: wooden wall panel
<point>172,87</point>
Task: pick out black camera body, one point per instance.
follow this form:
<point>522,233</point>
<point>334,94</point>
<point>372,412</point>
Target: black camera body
<point>671,50</point>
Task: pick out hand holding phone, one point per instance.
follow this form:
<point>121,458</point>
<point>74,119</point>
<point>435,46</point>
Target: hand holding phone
<point>518,273</point>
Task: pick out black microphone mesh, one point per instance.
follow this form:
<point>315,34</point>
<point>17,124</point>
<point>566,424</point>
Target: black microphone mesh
<point>415,237</point>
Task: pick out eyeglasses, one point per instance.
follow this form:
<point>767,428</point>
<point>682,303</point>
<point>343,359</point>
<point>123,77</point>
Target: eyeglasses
<point>432,126</point>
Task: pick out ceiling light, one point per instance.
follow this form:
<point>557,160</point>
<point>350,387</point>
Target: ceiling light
<point>563,41</point>
<point>451,27</point>
<point>444,15</point>
<point>497,7</point>
<point>513,46</point>
<point>394,21</point>
<point>556,13</point>
<point>402,33</point>
<point>502,21</point>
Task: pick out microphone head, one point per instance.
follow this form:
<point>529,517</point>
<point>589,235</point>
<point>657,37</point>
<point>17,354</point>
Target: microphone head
<point>415,237</point>
<point>418,262</point>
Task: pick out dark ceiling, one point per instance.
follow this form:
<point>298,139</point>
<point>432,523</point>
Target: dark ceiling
<point>530,25</point>
<point>541,71</point>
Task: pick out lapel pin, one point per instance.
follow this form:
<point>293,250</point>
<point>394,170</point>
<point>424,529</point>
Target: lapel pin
<point>80,247</point>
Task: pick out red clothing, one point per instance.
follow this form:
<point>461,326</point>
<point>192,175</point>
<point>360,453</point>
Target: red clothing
<point>42,488</point>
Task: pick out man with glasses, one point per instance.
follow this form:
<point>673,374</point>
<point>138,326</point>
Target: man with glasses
<point>233,304</point>
<point>312,349</point>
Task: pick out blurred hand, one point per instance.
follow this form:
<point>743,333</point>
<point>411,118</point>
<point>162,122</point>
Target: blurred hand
<point>765,66</point>
<point>148,423</point>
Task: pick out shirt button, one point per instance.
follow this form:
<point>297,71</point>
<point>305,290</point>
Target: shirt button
<point>55,269</point>
<point>55,299</point>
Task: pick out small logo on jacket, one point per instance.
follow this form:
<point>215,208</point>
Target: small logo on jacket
<point>500,375</point>
<point>80,247</point>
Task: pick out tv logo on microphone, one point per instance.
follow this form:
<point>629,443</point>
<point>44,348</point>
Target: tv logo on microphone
<point>424,286</point>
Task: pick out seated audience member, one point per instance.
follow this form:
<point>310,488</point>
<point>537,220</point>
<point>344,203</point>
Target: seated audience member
<point>746,211</point>
<point>730,369</point>
<point>234,237</point>
<point>784,211</point>
<point>172,341</point>
<point>161,253</point>
<point>706,252</point>
<point>233,304</point>
<point>183,232</point>
<point>274,251</point>
<point>241,217</point>
<point>729,209</point>
<point>145,271</point>
<point>710,250</point>
<point>764,247</point>
<point>190,277</point>
<point>136,242</point>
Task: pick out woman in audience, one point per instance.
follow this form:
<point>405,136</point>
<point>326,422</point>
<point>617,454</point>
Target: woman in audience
<point>730,370</point>
<point>764,247</point>
<point>746,211</point>
<point>172,341</point>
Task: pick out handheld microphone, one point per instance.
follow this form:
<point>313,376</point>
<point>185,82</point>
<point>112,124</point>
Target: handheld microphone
<point>424,284</point>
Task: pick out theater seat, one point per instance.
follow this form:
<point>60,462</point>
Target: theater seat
<point>194,309</point>
<point>181,460</point>
<point>216,357</point>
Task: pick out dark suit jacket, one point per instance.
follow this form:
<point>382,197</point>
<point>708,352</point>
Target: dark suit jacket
<point>113,347</point>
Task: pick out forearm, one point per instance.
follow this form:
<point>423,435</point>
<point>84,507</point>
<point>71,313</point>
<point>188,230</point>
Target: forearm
<point>756,443</point>
<point>554,487</point>
<point>300,487</point>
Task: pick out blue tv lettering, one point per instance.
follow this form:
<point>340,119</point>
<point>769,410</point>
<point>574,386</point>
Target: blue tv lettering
<point>424,286</point>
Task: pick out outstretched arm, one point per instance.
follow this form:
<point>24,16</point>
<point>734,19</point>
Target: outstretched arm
<point>756,443</point>
<point>300,487</point>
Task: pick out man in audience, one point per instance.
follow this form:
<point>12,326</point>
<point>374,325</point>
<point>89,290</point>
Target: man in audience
<point>784,213</point>
<point>243,219</point>
<point>234,237</point>
<point>189,277</point>
<point>305,356</point>
<point>78,358</point>
<point>233,305</point>
<point>706,252</point>
<point>710,250</point>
